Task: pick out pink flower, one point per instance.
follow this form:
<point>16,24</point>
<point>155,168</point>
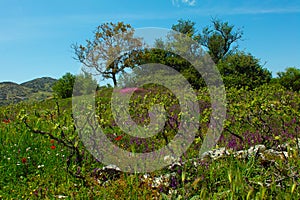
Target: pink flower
<point>127,90</point>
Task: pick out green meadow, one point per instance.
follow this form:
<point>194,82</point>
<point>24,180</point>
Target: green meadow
<point>42,156</point>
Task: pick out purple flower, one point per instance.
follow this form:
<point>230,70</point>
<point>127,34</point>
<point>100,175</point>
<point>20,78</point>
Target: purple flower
<point>173,182</point>
<point>232,144</point>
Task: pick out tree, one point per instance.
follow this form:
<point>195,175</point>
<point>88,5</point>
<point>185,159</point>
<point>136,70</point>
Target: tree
<point>186,27</point>
<point>290,79</point>
<point>243,70</point>
<point>113,49</point>
<point>85,84</point>
<point>219,39</point>
<point>64,86</point>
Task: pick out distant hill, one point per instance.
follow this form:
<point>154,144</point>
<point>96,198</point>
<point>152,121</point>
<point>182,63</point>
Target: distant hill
<point>40,84</point>
<point>36,89</point>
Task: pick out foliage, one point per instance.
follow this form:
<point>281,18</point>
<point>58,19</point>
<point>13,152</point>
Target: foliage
<point>43,157</point>
<point>267,115</point>
<point>243,70</point>
<point>64,86</point>
<point>85,84</point>
<point>290,78</point>
<point>219,39</point>
<point>75,85</point>
<point>113,49</point>
<point>186,27</point>
<point>170,53</point>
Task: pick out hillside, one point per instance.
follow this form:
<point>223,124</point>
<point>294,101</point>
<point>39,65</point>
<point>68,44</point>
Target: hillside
<point>40,84</point>
<point>36,89</point>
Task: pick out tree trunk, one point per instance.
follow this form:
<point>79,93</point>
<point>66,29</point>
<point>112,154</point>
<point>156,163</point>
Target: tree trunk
<point>114,80</point>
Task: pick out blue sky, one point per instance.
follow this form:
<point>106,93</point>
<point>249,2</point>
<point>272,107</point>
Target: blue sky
<point>36,35</point>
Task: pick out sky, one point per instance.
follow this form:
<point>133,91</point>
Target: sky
<point>36,35</point>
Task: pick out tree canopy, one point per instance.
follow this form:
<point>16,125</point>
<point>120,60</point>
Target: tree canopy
<point>243,70</point>
<point>85,84</point>
<point>112,49</point>
<point>219,39</point>
<point>63,88</point>
<point>290,78</point>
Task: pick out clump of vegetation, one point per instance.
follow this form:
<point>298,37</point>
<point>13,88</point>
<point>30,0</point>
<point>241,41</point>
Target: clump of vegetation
<point>74,85</point>
<point>290,78</point>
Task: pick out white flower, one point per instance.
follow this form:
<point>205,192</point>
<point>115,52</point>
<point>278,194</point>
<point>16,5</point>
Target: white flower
<point>27,149</point>
<point>40,166</point>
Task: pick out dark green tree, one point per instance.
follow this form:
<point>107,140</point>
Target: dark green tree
<point>219,39</point>
<point>112,50</point>
<point>84,82</point>
<point>243,70</point>
<point>186,27</point>
<point>63,88</point>
<point>290,78</point>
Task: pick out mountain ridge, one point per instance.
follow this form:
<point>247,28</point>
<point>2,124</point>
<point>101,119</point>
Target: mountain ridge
<point>35,89</point>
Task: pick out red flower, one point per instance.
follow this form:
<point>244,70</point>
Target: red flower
<point>53,147</point>
<point>52,141</point>
<point>119,138</point>
<point>24,160</point>
<point>6,121</point>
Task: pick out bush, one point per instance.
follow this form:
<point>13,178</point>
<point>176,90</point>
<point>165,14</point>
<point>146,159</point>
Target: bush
<point>84,84</point>
<point>290,79</point>
<point>243,70</point>
<point>64,86</point>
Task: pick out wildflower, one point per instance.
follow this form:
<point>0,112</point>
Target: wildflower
<point>40,166</point>
<point>24,160</point>
<point>174,182</point>
<point>53,147</point>
<point>6,121</point>
<point>119,138</point>
<point>128,90</point>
